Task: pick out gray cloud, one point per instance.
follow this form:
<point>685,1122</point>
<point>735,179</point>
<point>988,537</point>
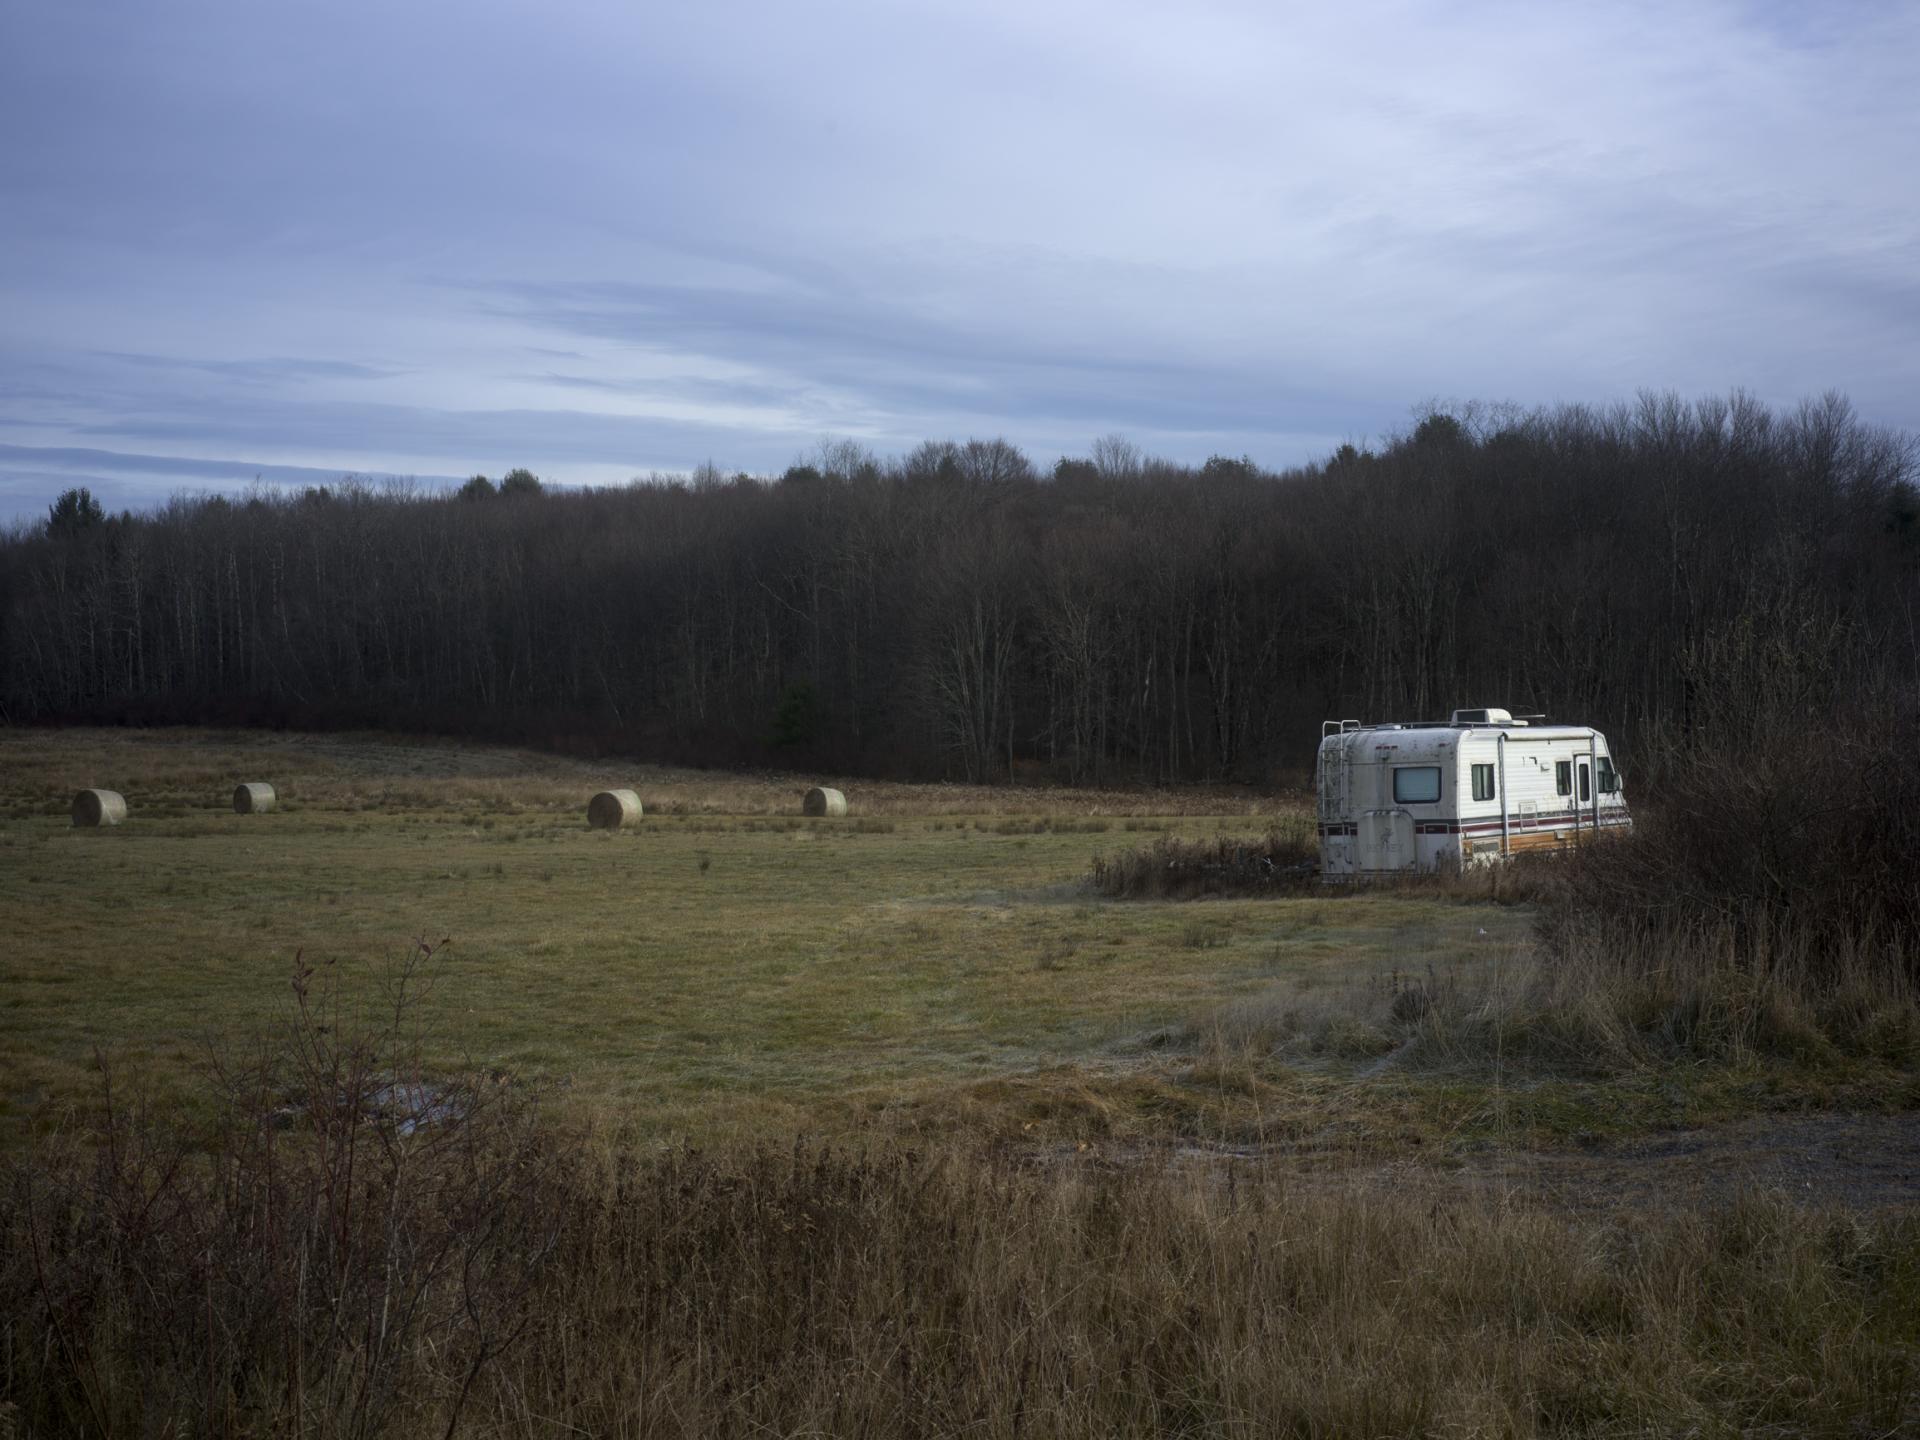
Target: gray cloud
<point>603,238</point>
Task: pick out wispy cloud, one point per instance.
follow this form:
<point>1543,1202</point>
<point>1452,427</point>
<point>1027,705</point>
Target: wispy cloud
<point>269,370</point>
<point>30,475</point>
<point>63,459</point>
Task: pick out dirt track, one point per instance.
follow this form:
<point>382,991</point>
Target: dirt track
<point>1858,1162</point>
<point>1862,1162</point>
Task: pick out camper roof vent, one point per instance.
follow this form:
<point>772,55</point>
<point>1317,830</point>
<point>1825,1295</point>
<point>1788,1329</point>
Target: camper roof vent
<point>1485,717</point>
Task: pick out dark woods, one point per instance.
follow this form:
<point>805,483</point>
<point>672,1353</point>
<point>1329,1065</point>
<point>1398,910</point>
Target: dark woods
<point>1656,569</point>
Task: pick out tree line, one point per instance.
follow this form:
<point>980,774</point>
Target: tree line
<point>1655,568</point>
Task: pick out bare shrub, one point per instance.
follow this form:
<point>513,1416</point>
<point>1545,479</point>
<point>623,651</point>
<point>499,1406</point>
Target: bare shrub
<point>1174,869</point>
<point>346,1237</point>
<point>1599,1000</point>
<point>340,1278</point>
<point>1286,860</point>
<point>1801,839</point>
<point>900,1292</point>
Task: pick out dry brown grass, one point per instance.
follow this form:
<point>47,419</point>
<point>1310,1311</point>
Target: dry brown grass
<point>1807,826</point>
<point>302,1266</point>
<point>1764,913</point>
<point>1170,868</point>
<point>1285,859</point>
<point>1586,1009</point>
<point>994,1248</point>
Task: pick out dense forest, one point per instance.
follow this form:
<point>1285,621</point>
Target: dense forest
<point>1649,568</point>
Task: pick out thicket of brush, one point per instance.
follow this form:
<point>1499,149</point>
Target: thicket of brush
<point>1172,868</point>
<point>1770,898</point>
<point>487,1278</point>
<point>1286,860</point>
<point>1594,1005</point>
<point>1804,835</point>
<point>1633,966</point>
<point>1766,904</point>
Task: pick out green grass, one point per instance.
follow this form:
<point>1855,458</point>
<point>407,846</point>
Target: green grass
<point>701,970</point>
<point>933,962</point>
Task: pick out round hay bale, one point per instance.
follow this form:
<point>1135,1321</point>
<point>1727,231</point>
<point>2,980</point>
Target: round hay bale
<point>254,798</point>
<point>99,807</point>
<point>611,809</point>
<point>822,801</point>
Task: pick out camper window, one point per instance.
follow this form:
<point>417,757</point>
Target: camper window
<point>1416,784</point>
<point>1609,777</point>
<point>1483,782</point>
<point>1563,777</point>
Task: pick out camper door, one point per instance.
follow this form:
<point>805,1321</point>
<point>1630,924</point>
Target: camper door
<point>1386,838</point>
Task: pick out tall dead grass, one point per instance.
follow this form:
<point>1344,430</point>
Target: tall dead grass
<point>1767,903</point>
<point>1171,868</point>
<point>1805,832</point>
<point>282,1266</point>
<point>1592,997</point>
<point>1765,907</point>
<point>924,1292</point>
<point>1595,1002</point>
<point>347,1246</point>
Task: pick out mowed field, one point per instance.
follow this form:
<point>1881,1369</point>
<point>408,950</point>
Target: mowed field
<point>723,968</point>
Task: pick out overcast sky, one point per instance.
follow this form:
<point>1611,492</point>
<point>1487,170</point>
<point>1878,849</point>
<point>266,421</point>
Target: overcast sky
<point>290,241</point>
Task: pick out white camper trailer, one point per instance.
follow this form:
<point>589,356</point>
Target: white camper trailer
<point>1471,791</point>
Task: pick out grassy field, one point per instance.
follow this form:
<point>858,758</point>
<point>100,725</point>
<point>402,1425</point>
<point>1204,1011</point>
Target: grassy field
<point>725,966</point>
<point>888,1125</point>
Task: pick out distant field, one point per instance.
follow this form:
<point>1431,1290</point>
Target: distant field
<point>725,967</point>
